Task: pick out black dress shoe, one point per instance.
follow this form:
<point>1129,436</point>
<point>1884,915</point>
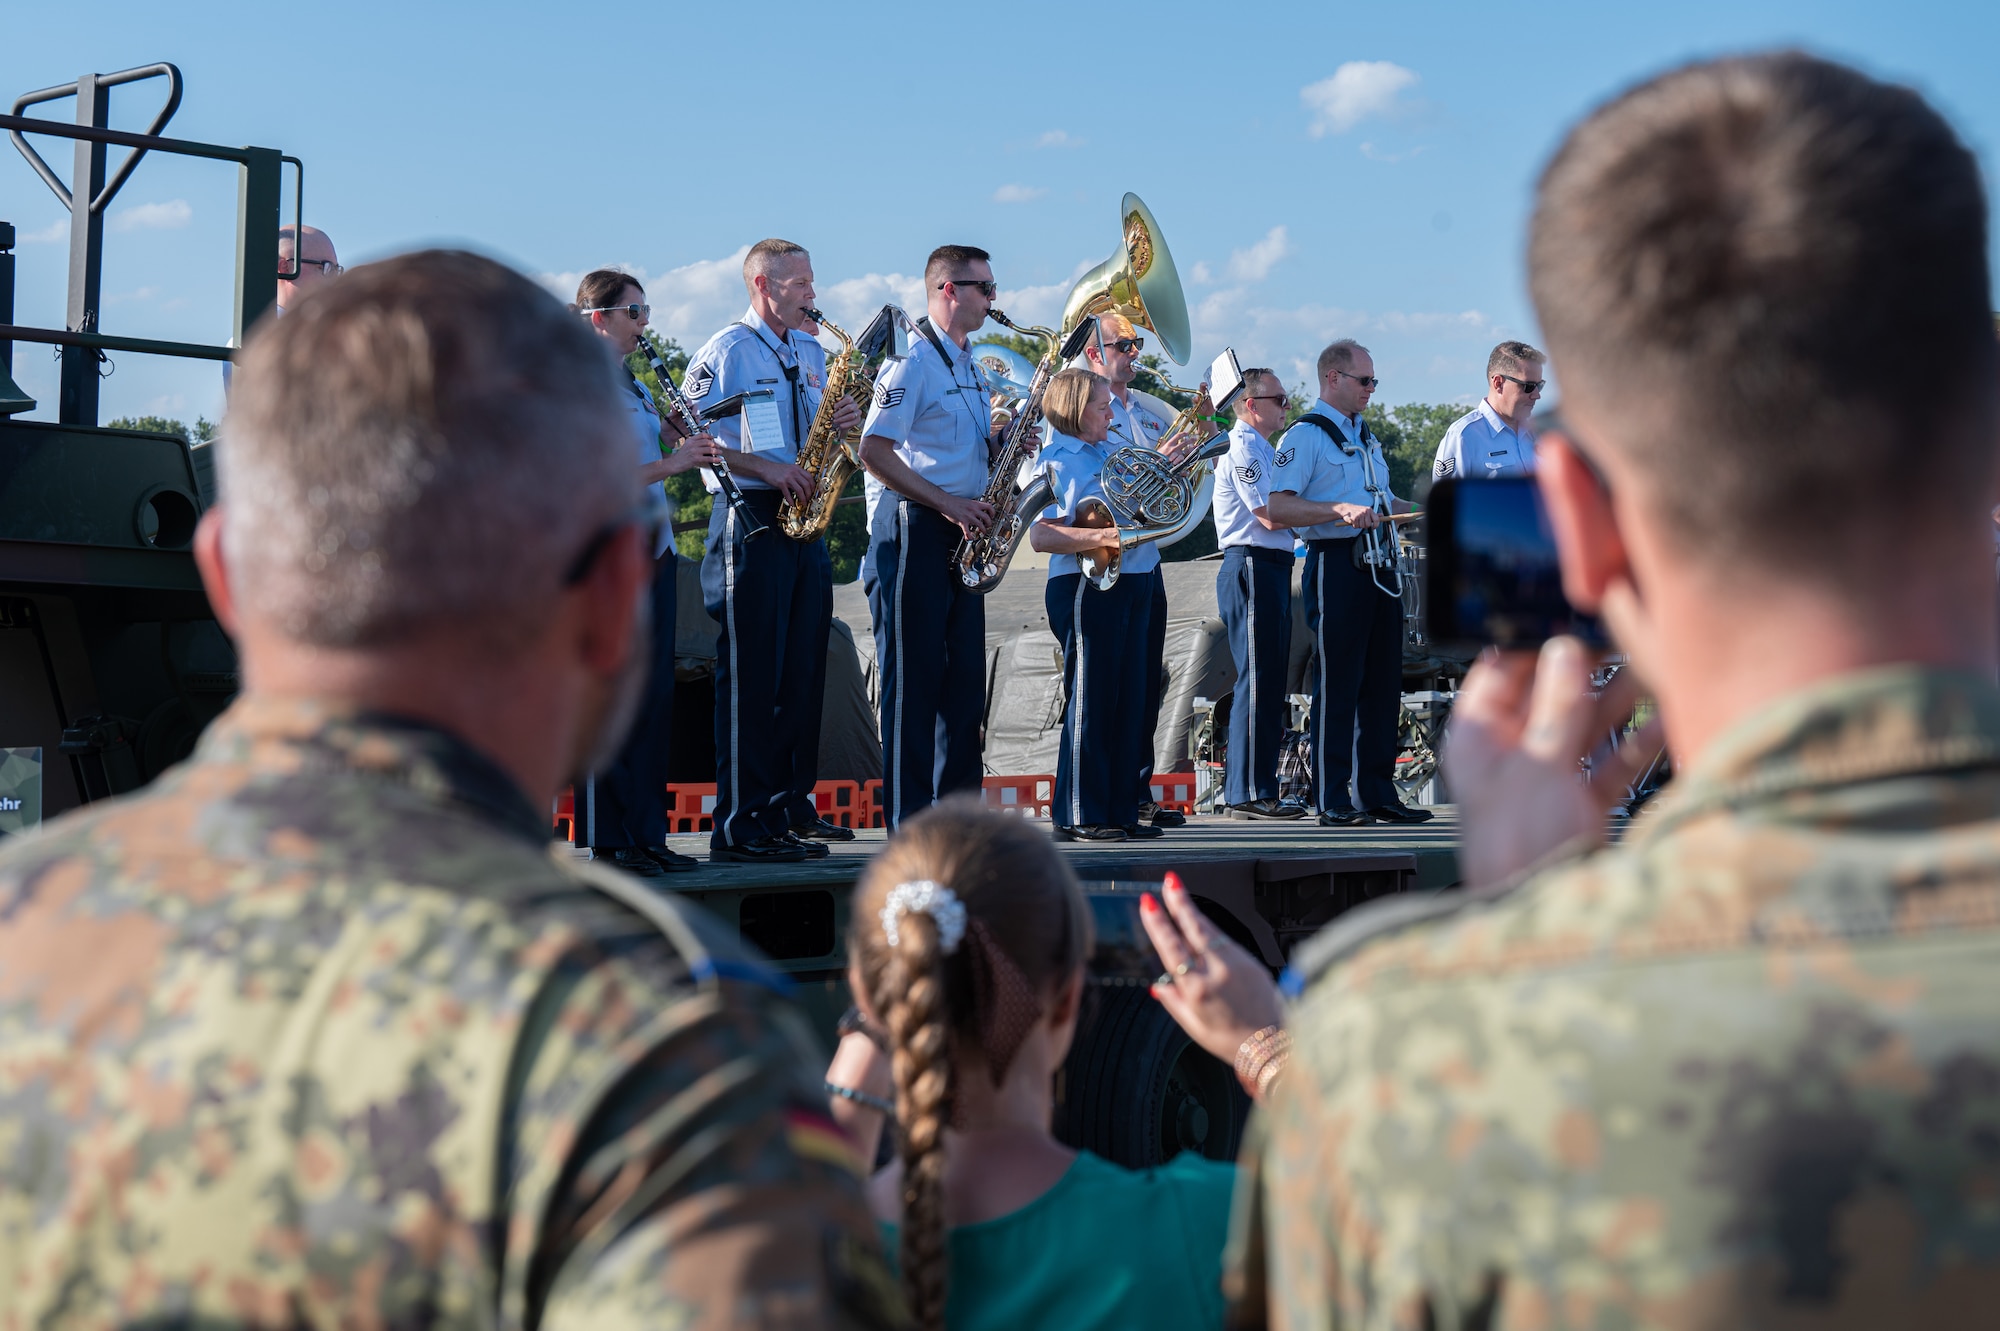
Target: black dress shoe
<point>764,850</point>
<point>632,860</point>
<point>815,850</point>
<point>1399,813</point>
<point>1143,832</point>
<point>1168,818</point>
<point>1342,818</point>
<point>671,860</point>
<point>1257,810</point>
<point>819,829</point>
<point>1090,832</point>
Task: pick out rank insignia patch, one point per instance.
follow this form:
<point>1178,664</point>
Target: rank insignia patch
<point>1446,467</point>
<point>1248,475</point>
<point>887,397</point>
<point>699,380</point>
<point>1285,456</point>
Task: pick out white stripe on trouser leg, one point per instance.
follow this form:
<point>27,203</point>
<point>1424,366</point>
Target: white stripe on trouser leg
<point>1250,586</point>
<point>902,663</point>
<point>1076,715</point>
<point>735,674</point>
<point>1319,704</point>
<point>590,811</point>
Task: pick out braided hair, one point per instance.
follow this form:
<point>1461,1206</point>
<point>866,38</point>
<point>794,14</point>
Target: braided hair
<point>1011,881</point>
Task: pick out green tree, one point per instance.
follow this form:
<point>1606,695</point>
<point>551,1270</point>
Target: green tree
<point>1410,435</point>
<point>200,432</point>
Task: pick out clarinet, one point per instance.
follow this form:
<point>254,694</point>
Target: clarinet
<point>692,423</point>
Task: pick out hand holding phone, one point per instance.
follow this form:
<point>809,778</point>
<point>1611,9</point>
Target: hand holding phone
<point>1492,575</point>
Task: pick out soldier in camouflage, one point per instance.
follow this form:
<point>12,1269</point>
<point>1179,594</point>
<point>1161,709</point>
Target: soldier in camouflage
<point>315,1030</point>
<point>1741,1069</point>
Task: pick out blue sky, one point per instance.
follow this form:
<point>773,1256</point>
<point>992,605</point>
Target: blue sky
<point>1319,171</point>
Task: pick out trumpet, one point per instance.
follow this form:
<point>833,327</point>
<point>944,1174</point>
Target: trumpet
<point>691,423</point>
<point>981,560</point>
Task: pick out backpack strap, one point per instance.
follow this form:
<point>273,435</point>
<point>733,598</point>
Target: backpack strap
<point>1333,431</point>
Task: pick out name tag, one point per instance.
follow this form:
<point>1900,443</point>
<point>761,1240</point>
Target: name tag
<point>761,426</point>
<point>767,381</point>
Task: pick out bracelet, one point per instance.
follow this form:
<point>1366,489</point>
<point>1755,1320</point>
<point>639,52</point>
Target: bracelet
<point>1261,1058</point>
<point>862,1098</point>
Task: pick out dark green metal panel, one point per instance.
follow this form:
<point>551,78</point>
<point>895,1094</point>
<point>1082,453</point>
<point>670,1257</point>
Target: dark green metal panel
<point>115,490</point>
<point>256,237</point>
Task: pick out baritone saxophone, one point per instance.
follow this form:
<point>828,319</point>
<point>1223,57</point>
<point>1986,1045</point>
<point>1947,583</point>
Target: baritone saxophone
<point>828,455</point>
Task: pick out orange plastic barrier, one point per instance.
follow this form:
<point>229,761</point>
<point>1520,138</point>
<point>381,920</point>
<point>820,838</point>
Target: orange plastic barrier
<point>1028,796</point>
<point>841,802</point>
<point>1174,790</point>
<point>690,807</point>
<point>871,795</point>
<point>566,814</point>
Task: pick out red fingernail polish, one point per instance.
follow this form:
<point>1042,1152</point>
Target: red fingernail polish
<point>1147,904</point>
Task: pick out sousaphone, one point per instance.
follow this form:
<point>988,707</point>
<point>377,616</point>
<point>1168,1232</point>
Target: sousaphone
<point>1139,281</point>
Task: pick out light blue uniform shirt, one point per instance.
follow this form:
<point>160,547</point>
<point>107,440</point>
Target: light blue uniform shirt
<point>1075,470</point>
<point>1242,485</point>
<point>1139,421</point>
<point>646,428</point>
<point>1314,466</point>
<point>743,358</point>
<point>1482,445</point>
<point>935,408</point>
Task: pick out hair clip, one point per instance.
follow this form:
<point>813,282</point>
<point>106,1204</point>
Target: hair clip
<point>928,898</point>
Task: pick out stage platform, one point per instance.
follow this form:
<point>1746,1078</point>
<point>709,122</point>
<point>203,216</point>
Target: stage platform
<point>1269,884</point>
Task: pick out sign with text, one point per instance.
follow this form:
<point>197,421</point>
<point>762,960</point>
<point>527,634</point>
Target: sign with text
<point>20,790</point>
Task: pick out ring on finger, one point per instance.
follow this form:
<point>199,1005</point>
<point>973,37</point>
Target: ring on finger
<point>1165,981</point>
<point>1181,970</point>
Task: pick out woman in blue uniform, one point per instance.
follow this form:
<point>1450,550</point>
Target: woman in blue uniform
<point>1103,632</point>
<point>622,814</point>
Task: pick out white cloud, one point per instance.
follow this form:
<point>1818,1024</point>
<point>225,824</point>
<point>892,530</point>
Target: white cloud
<point>169,216</point>
<point>52,234</point>
<point>1289,338</point>
<point>852,301</point>
<point>1256,263</point>
<point>1018,193</point>
<point>1199,274</point>
<point>1359,90</point>
<point>1059,138</point>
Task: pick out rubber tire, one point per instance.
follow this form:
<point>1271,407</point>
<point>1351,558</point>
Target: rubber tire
<point>1129,1059</point>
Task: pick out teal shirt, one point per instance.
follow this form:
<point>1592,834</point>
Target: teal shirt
<point>1105,1247</point>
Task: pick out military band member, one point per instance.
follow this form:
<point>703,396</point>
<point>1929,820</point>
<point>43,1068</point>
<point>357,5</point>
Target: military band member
<point>1254,595</point>
<point>771,596</point>
<point>1138,418</point>
<point>1492,439</point>
<point>623,815</point>
<point>1328,472</point>
<point>927,450</point>
<point>1103,676</point>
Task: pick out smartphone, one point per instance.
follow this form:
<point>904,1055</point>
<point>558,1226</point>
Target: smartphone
<point>1492,577</point>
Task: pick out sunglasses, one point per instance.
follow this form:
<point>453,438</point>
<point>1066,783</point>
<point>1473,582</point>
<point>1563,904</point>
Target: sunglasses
<point>327,267</point>
<point>1127,345</point>
<point>1269,397</point>
<point>1527,385</point>
<point>639,312</point>
<point>1365,380</point>
<point>986,289</point>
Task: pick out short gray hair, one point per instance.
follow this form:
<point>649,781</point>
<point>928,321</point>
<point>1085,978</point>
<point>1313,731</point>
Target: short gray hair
<point>766,255</point>
<point>1339,356</point>
<point>423,445</point>
<point>1513,358</point>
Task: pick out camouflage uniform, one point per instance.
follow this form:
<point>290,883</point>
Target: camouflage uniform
<point>1741,1070</point>
<point>315,1030</point>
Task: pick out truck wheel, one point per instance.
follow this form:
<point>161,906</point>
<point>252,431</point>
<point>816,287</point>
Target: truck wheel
<point>1138,1092</point>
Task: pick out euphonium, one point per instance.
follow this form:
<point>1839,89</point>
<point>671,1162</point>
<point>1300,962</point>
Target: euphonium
<point>828,455</point>
<point>1155,495</point>
<point>981,560</point>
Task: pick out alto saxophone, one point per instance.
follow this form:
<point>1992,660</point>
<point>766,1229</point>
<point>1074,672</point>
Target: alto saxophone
<point>981,559</point>
<point>829,455</point>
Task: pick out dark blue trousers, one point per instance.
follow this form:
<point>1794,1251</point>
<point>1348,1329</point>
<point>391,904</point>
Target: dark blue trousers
<point>1103,635</point>
<point>1254,593</point>
<point>773,598</point>
<point>1358,688</point>
<point>626,804</point>
<point>1156,681</point>
<point>930,658</point>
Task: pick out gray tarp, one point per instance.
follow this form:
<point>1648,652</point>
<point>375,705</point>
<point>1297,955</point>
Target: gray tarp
<point>1023,670</point>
